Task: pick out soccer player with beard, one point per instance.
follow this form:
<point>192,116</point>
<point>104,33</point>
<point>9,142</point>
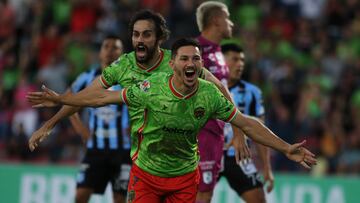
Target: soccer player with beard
<point>148,30</point>
<point>214,24</point>
<point>176,106</point>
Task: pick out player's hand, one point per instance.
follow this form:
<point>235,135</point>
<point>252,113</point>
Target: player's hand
<point>300,154</point>
<point>46,98</point>
<point>268,180</point>
<point>38,136</point>
<point>242,152</point>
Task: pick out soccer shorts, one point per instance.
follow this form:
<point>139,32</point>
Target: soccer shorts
<point>97,170</point>
<point>211,149</point>
<point>146,188</point>
<point>241,177</point>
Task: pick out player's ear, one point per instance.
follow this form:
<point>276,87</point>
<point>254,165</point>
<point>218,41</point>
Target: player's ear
<point>171,63</point>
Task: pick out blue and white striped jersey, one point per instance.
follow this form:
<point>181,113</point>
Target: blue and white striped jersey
<point>107,124</point>
<point>248,99</point>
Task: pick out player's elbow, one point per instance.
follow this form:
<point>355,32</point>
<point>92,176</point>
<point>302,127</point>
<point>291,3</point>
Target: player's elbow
<point>246,123</point>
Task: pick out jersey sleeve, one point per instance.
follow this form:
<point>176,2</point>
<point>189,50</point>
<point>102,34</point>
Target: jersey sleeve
<point>224,109</point>
<point>259,105</point>
<point>135,95</point>
<point>79,83</point>
<point>114,72</point>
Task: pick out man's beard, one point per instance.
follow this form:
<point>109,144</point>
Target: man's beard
<point>150,52</point>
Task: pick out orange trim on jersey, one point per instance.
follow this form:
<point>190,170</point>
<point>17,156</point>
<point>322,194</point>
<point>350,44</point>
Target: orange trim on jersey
<point>156,64</point>
<point>232,115</point>
<point>177,93</point>
<point>140,136</point>
<point>124,97</point>
<point>104,83</point>
<point>173,90</point>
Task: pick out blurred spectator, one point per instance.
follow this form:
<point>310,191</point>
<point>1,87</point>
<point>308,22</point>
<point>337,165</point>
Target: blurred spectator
<point>54,75</point>
<point>49,45</point>
<point>7,20</point>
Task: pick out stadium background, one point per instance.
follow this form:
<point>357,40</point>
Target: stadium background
<point>304,54</point>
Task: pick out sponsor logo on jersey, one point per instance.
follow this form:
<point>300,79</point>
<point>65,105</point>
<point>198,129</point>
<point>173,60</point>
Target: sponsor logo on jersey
<point>199,112</point>
<point>177,130</point>
<point>145,85</point>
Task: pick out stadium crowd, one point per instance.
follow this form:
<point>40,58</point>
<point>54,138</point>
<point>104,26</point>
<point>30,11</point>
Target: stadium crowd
<point>305,56</point>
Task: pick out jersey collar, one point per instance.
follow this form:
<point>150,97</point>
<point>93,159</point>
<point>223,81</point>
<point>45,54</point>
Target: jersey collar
<point>154,66</point>
<point>177,93</point>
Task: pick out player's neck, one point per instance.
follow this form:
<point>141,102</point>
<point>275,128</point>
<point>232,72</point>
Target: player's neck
<point>154,60</point>
<point>211,35</point>
<point>181,87</point>
<point>232,82</point>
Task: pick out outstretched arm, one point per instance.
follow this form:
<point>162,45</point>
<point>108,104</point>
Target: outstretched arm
<point>45,130</point>
<point>93,96</point>
<point>261,134</point>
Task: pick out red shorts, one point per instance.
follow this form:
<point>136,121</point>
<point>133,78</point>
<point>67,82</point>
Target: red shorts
<point>146,188</point>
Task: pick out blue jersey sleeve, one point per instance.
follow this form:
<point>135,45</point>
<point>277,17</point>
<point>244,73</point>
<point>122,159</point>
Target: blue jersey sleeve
<point>80,82</point>
<point>259,104</point>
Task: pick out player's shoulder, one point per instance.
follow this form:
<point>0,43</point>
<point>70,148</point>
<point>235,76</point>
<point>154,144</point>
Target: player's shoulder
<point>204,84</point>
<point>167,53</point>
<point>251,87</point>
<point>91,73</point>
<point>124,59</point>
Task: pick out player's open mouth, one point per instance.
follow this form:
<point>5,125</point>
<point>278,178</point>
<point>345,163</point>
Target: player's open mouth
<point>141,50</point>
<point>190,73</point>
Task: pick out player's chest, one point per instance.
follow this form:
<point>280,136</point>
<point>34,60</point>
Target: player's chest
<point>180,111</point>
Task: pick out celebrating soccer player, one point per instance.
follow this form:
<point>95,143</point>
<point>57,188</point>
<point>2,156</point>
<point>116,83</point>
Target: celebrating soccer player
<point>175,107</point>
<point>148,31</point>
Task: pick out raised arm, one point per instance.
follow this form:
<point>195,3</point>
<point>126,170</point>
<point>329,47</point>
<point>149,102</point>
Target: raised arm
<point>92,96</point>
<point>261,134</point>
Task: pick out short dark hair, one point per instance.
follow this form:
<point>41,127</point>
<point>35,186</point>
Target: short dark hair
<point>183,42</point>
<point>162,31</point>
<point>231,47</point>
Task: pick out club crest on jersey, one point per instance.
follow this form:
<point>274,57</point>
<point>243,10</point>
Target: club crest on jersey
<point>145,85</point>
<point>199,112</point>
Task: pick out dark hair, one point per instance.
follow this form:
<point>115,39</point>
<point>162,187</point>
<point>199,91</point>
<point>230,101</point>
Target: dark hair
<point>231,47</point>
<point>181,43</point>
<point>162,31</point>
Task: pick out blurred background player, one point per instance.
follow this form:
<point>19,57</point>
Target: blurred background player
<point>214,24</point>
<point>244,177</point>
<point>107,146</point>
<point>107,158</point>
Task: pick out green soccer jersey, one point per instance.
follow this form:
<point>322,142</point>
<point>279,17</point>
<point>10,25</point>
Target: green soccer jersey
<point>126,71</point>
<point>168,129</point>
